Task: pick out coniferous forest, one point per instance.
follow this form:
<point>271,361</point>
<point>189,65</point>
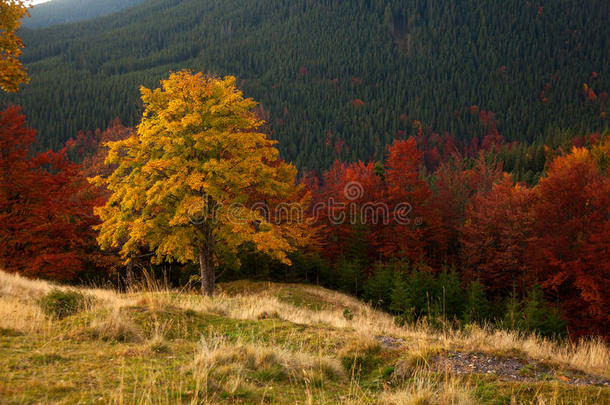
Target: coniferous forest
<point>339,79</point>
<point>66,11</point>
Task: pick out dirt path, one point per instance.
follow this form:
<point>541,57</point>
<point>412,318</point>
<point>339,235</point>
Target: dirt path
<point>510,369</point>
<point>505,368</point>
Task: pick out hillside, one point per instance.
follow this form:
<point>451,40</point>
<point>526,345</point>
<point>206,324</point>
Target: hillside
<point>272,343</point>
<point>336,79</point>
<point>66,11</point>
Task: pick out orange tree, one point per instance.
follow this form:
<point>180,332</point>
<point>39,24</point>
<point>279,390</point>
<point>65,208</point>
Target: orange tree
<point>12,72</point>
<point>199,181</point>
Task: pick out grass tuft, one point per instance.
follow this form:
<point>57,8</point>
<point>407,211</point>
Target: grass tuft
<point>60,304</point>
<point>115,327</point>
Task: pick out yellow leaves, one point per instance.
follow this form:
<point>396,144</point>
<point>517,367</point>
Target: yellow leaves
<point>195,181</point>
<point>580,154</point>
<point>12,72</point>
<point>193,173</point>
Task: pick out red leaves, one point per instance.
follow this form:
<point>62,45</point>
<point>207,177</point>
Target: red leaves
<point>556,234</point>
<point>93,160</point>
<point>571,244</point>
<point>337,203</point>
<point>494,237</point>
<point>46,208</point>
<point>363,199</point>
<point>406,191</point>
<point>357,103</point>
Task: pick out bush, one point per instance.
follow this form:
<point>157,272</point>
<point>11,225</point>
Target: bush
<point>63,303</point>
<point>349,277</point>
<point>534,314</point>
<point>477,306</point>
<point>449,294</point>
<point>379,286</point>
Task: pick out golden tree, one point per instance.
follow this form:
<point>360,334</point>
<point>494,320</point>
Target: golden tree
<point>198,181</point>
<point>12,72</point>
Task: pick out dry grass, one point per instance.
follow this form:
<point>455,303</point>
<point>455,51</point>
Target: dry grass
<point>414,362</point>
<point>157,343</point>
<point>238,367</point>
<point>591,356</point>
<point>427,389</point>
<point>13,285</point>
<point>235,366</point>
<point>218,355</point>
<point>115,327</point>
<point>23,317</point>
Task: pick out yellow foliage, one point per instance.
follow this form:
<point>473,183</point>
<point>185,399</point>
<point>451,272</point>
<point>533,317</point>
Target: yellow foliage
<point>188,180</point>
<point>12,72</point>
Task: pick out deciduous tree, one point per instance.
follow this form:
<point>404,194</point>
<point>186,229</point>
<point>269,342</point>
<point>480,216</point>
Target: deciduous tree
<point>46,209</point>
<point>407,197</point>
<point>495,237</point>
<point>12,72</point>
<point>195,182</point>
<point>570,248</point>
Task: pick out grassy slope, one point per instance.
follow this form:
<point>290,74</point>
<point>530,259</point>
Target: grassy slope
<point>259,343</point>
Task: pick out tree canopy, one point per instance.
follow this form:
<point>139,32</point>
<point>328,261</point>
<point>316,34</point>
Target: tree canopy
<point>187,184</point>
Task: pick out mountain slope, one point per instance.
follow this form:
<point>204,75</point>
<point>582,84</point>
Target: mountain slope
<point>337,79</point>
<point>270,343</point>
<point>65,11</point>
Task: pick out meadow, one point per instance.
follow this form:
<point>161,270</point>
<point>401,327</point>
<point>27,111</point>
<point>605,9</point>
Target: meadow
<point>259,342</point>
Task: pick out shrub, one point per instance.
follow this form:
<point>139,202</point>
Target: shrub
<point>349,277</point>
<point>378,287</point>
<point>477,306</point>
<point>63,303</point>
<point>449,294</point>
<point>534,314</point>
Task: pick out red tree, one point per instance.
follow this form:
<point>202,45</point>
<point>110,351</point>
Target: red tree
<point>46,208</point>
<point>407,197</point>
<point>338,204</point>
<point>495,236</point>
<point>571,245</point>
<point>453,187</point>
<point>92,150</point>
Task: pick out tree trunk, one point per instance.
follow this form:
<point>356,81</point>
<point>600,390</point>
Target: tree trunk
<point>208,275</point>
<point>129,277</point>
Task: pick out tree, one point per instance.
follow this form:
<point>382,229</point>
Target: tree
<point>90,149</point>
<point>406,196</point>
<point>198,181</point>
<point>46,209</point>
<point>454,185</point>
<point>569,249</point>
<point>12,72</point>
<point>341,206</point>
<point>495,237</point>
